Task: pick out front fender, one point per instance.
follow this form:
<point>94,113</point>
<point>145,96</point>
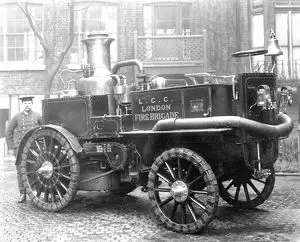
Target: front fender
<point>69,136</point>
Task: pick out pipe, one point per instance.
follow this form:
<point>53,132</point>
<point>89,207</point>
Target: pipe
<point>283,125</point>
<point>128,63</point>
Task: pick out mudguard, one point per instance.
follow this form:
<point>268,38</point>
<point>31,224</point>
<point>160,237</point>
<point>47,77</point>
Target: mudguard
<point>69,136</point>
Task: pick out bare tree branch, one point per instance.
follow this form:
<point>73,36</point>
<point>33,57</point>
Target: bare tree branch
<point>68,45</point>
<point>71,30</point>
<point>57,14</point>
<point>24,9</point>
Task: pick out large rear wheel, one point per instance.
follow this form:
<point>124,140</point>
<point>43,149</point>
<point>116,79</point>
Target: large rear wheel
<point>49,169</point>
<point>245,190</point>
<point>183,190</point>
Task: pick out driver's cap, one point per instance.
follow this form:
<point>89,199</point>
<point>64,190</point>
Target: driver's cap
<point>27,98</point>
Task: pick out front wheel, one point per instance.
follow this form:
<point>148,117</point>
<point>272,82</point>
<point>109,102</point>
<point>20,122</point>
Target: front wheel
<point>49,169</point>
<point>183,190</point>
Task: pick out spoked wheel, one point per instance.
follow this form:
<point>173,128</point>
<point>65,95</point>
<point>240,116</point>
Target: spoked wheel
<point>49,169</point>
<point>247,191</point>
<point>183,190</point>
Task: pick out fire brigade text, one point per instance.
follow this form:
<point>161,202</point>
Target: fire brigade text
<point>156,112</point>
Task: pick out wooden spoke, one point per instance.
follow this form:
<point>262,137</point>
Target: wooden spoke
<point>38,146</point>
<point>31,172</point>
<point>183,214</point>
<point>179,168</point>
<point>236,197</point>
<point>195,180</point>
<point>229,186</point>
<point>170,170</point>
<point>192,211</point>
<point>196,201</point>
<point>60,167</point>
<point>58,193</point>
<point>65,176</point>
<point>46,195</point>
<point>162,189</point>
<point>39,191</point>
<point>34,153</point>
<point>174,210</point>
<point>188,172</point>
<point>198,192</point>
<point>246,191</point>
<point>52,196</point>
<point>63,186</point>
<point>163,178</point>
<point>161,204</point>
<point>44,143</point>
<point>51,144</point>
<point>48,143</point>
<point>254,188</point>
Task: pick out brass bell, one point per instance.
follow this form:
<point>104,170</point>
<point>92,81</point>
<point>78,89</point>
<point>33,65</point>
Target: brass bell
<point>273,46</point>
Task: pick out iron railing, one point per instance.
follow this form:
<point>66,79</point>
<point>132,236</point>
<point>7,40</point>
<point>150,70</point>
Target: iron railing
<point>288,71</point>
<point>285,70</point>
<point>171,49</point>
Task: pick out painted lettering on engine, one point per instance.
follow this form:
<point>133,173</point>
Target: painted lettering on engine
<point>153,106</point>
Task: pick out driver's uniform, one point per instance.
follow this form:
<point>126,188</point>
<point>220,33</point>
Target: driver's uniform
<point>17,128</point>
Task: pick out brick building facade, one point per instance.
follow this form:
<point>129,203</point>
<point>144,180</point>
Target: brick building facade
<point>230,25</point>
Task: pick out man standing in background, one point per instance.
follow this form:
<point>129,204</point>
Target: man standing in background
<point>16,129</point>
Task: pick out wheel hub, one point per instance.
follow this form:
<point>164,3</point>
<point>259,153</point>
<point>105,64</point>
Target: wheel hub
<point>179,191</point>
<point>46,169</point>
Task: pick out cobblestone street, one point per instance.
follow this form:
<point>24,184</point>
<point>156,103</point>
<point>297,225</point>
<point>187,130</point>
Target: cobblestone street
<point>98,217</point>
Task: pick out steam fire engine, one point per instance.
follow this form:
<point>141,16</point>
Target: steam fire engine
<point>185,145</point>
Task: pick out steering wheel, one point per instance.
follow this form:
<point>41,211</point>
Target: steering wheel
<point>249,53</point>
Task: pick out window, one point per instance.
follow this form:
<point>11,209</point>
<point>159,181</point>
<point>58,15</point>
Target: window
<point>258,37</point>
<point>167,19</point>
<point>17,40</point>
<point>289,40</point>
<point>169,34</point>
<point>93,17</point>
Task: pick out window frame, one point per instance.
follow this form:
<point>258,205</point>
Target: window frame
<point>179,17</point>
<point>258,59</point>
<point>289,46</point>
<point>79,34</point>
<point>30,43</point>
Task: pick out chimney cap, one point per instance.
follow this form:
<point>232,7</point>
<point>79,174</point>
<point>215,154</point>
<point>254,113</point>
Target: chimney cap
<point>98,34</point>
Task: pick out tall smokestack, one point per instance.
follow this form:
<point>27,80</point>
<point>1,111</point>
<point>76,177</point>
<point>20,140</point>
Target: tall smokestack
<point>98,57</point>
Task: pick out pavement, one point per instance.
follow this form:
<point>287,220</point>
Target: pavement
<point>99,217</point>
